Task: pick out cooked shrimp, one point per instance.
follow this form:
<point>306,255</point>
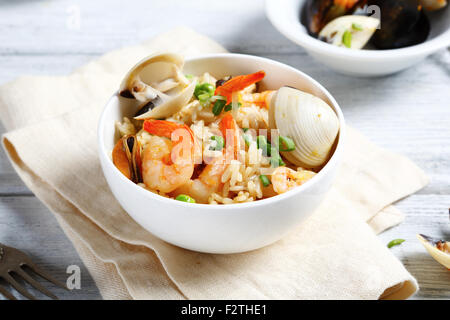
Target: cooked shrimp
<point>210,179</point>
<point>208,182</point>
<point>285,179</point>
<point>238,83</point>
<point>164,167</point>
<point>261,99</point>
<point>230,132</point>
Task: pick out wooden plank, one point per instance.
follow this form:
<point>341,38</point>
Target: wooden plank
<point>429,215</point>
<point>47,26</point>
<point>26,224</point>
<point>407,113</point>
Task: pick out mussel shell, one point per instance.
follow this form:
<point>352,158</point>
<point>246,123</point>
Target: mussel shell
<point>317,13</point>
<point>126,157</point>
<point>133,152</point>
<point>403,24</point>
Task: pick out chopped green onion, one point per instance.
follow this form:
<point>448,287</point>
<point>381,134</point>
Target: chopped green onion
<point>185,198</point>
<point>264,145</point>
<point>247,138</point>
<point>189,76</point>
<point>276,160</point>
<point>203,97</point>
<point>229,106</point>
<point>218,107</point>
<point>286,144</point>
<point>264,180</point>
<point>347,39</point>
<point>395,242</point>
<point>204,88</point>
<point>218,97</point>
<point>219,143</point>
<point>357,27</point>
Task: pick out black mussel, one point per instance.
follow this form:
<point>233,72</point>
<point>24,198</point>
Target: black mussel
<point>317,13</point>
<point>146,107</point>
<point>133,151</point>
<point>126,156</point>
<point>126,94</point>
<point>403,24</point>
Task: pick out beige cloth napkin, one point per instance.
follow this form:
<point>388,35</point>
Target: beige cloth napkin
<point>335,254</point>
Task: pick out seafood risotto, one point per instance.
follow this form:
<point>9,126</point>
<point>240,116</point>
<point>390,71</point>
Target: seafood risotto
<point>199,139</point>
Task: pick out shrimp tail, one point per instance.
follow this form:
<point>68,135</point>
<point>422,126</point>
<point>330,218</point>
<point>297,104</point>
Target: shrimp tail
<point>229,129</point>
<point>238,83</point>
<point>164,128</point>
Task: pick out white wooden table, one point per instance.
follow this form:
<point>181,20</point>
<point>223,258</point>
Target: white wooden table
<point>408,112</point>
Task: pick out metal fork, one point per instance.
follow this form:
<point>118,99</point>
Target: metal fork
<point>12,261</point>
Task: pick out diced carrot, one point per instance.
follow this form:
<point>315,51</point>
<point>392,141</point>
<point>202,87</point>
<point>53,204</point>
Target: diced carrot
<point>238,83</point>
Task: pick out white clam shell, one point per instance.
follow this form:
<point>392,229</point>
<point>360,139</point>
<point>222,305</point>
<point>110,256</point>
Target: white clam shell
<point>307,120</point>
<point>334,30</point>
<point>159,76</point>
<point>438,255</point>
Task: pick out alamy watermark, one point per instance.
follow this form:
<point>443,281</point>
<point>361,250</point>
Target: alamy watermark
<point>73,282</point>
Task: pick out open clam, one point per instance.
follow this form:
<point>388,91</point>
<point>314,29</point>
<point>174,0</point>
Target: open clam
<point>317,13</point>
<point>438,249</point>
<point>308,121</point>
<point>351,31</point>
<point>126,157</point>
<point>158,86</point>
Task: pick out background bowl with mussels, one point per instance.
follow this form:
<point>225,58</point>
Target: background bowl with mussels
<point>285,16</point>
<point>221,228</point>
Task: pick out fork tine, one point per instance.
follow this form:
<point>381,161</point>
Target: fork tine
<point>7,294</point>
<point>18,287</point>
<point>44,275</point>
<point>34,283</point>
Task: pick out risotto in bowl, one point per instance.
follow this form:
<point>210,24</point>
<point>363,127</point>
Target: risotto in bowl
<point>221,153</point>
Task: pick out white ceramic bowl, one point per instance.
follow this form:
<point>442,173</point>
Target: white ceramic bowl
<point>221,228</point>
<point>285,14</point>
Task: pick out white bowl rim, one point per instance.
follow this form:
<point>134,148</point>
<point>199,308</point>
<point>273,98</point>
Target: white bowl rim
<point>295,33</point>
<point>235,206</point>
